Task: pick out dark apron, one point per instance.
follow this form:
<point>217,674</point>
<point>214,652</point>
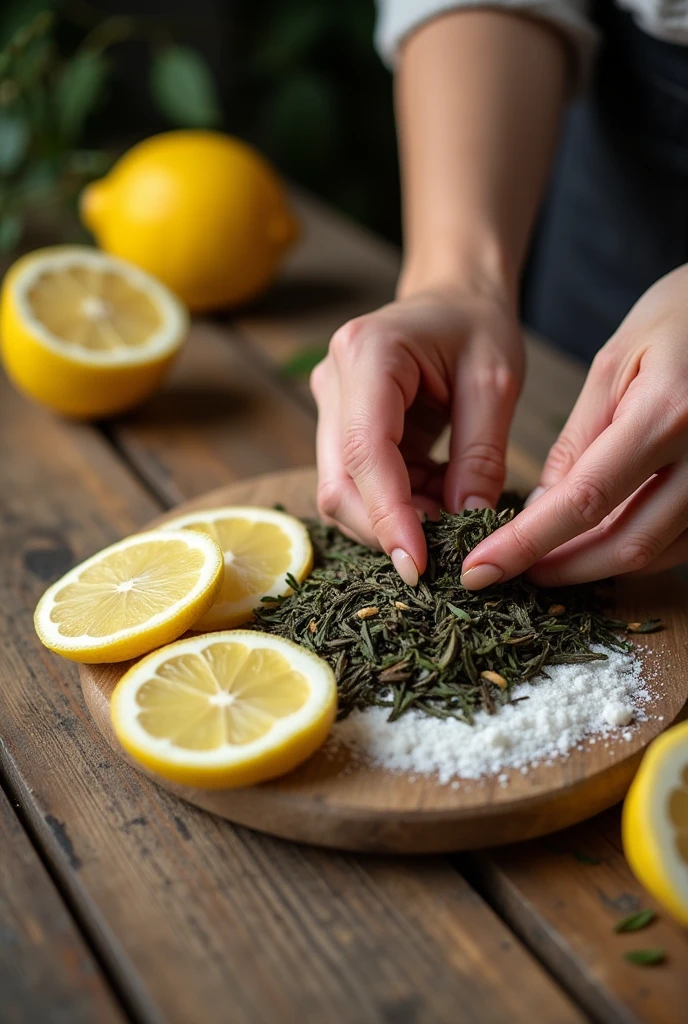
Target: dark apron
<point>616,216</point>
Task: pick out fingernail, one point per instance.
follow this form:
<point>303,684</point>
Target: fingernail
<point>481,576</point>
<point>405,566</point>
<point>473,502</point>
<point>534,495</point>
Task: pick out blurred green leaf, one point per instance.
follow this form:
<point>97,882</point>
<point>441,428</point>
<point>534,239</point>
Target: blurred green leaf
<point>291,34</point>
<point>32,62</point>
<point>28,17</point>
<point>37,183</point>
<point>300,121</point>
<point>184,89</point>
<point>79,87</point>
<point>91,163</point>
<point>646,957</point>
<point>11,229</point>
<point>14,141</point>
<point>302,363</point>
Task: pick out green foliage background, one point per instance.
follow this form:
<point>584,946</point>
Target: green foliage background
<point>80,80</point>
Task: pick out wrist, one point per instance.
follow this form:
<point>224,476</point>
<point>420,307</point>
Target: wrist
<point>479,266</point>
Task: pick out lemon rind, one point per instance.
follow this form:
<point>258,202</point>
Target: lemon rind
<point>163,342</point>
<point>231,614</point>
<point>647,835</point>
<point>289,742</point>
<point>208,585</point>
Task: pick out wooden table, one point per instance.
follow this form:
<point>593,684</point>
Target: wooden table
<point>119,902</point>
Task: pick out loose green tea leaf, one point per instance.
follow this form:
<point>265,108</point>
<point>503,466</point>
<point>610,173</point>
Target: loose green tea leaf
<point>634,922</point>
<point>646,957</point>
<point>651,626</point>
<point>439,649</point>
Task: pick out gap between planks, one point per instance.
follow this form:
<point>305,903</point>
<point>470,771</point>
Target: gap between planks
<point>138,1010</point>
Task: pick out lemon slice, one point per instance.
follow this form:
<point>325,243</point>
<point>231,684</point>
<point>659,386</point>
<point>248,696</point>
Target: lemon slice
<point>131,597</point>
<point>261,548</point>
<point>85,333</point>
<point>655,821</point>
<point>225,709</point>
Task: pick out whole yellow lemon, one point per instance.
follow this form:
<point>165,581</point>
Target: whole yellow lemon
<point>202,211</point>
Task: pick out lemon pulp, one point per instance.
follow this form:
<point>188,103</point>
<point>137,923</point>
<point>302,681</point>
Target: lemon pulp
<point>677,812</point>
<point>255,555</point>
<point>225,709</point>
<point>262,549</point>
<point>223,694</point>
<point>93,308</point>
<point>132,597</point>
<point>126,589</point>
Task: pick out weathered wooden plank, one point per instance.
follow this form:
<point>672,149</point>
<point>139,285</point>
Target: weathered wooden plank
<point>47,972</point>
<point>563,895</point>
<point>197,920</point>
<point>219,416</point>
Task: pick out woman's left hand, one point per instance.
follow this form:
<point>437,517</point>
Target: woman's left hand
<point>613,496</point>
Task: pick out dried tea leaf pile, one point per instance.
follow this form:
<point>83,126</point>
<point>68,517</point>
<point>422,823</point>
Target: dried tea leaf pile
<point>439,649</point>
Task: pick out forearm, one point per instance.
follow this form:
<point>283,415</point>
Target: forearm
<point>480,95</point>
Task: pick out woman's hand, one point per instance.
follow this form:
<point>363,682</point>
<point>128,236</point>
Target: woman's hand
<point>391,382</point>
<point>613,497</point>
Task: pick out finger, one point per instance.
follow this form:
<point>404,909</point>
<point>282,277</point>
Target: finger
<point>623,457</point>
<point>675,554</point>
<point>376,390</point>
<point>630,541</point>
<point>484,398</point>
<point>339,502</point>
<point>592,413</point>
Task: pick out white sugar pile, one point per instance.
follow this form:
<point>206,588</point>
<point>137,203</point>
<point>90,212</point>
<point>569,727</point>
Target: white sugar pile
<point>598,698</point>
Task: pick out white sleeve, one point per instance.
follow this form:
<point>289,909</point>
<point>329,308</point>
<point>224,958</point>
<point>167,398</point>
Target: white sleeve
<point>398,19</point>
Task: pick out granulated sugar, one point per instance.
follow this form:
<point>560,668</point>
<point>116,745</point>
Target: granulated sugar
<point>598,698</point>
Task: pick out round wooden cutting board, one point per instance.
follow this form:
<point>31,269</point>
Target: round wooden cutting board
<point>331,803</point>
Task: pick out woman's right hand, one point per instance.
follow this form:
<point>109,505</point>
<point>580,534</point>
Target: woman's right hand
<point>391,382</point>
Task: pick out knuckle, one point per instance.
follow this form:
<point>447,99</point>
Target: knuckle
<point>638,551</point>
<point>329,498</point>
<point>605,361</point>
<point>356,448</point>
<point>498,379</point>
<point>380,519</point>
<point>317,378</point>
<point>562,455</point>
<point>588,501</point>
<point>484,459</point>
<point>346,342</point>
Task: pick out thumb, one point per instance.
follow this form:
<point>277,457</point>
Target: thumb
<point>592,413</point>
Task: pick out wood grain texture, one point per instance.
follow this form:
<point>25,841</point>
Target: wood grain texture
<point>336,803</point>
<point>218,417</point>
<point>47,972</point>
<point>563,895</point>
<point>195,919</point>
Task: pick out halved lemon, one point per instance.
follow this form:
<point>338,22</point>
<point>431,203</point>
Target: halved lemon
<point>85,333</point>
<point>225,709</point>
<point>261,548</point>
<point>655,821</point>
<point>131,597</point>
